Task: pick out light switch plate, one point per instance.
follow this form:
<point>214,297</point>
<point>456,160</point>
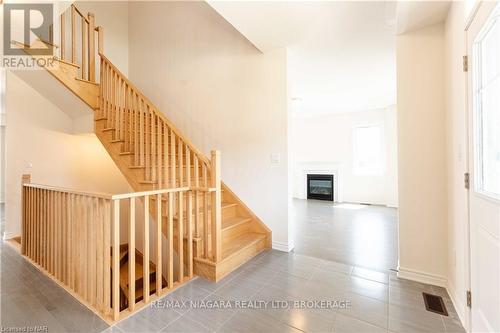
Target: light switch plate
<point>275,158</point>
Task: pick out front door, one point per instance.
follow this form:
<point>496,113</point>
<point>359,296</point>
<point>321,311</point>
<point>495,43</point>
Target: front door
<point>483,47</point>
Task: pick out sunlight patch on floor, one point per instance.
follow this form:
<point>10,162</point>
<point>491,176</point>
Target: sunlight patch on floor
<point>349,206</point>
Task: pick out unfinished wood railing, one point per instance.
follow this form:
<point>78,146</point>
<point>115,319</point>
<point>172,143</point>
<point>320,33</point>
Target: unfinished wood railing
<point>173,239</point>
<point>68,233</point>
<point>80,41</point>
<point>156,145</point>
<point>78,239</point>
<point>168,159</point>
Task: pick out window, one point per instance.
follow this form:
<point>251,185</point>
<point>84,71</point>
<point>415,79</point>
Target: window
<point>486,55</point>
<point>368,150</point>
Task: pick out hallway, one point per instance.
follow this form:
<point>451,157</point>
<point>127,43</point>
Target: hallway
<point>357,235</point>
<point>378,302</point>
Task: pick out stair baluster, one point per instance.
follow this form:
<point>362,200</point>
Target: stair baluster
<point>185,185</point>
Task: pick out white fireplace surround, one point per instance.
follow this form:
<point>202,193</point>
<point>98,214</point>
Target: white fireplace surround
<point>303,169</point>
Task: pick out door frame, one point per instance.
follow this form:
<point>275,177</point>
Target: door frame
<point>468,136</point>
<point>469,158</point>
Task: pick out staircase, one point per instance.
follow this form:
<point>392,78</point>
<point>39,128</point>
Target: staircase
<point>207,229</point>
<point>138,277</point>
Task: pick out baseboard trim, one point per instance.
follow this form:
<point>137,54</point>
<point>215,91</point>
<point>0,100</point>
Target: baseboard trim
<point>284,247</point>
<point>418,276</point>
<point>9,235</point>
<point>460,307</point>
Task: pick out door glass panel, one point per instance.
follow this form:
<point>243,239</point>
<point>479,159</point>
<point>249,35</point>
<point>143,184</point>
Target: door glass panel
<point>490,53</point>
<point>487,110</point>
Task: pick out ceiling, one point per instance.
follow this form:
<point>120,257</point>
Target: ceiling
<point>341,54</point>
<point>414,15</point>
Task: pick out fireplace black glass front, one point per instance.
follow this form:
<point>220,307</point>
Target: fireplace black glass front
<point>320,187</point>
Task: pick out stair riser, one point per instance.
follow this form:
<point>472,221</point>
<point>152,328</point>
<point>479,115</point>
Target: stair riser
<point>228,212</point>
<point>219,271</point>
<point>238,230</point>
<point>68,69</point>
<point>226,197</point>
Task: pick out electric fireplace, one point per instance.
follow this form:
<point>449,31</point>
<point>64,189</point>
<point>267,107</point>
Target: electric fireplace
<point>320,187</point>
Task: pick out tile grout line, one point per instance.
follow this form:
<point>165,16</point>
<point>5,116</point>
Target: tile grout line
<point>210,293</point>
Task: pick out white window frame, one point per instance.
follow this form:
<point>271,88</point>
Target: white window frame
<point>478,187</point>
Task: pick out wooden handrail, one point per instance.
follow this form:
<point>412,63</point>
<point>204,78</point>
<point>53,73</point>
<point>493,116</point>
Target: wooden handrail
<point>147,101</point>
<point>67,233</point>
<point>86,46</point>
<point>79,12</point>
<point>69,191</point>
<point>184,196</point>
<point>75,237</point>
<point>123,195</point>
<point>162,191</point>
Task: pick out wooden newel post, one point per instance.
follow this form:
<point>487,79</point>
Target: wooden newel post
<point>63,37</point>
<point>100,42</point>
<point>91,35</point>
<point>216,220</point>
<point>115,265</point>
<point>73,33</point>
<point>26,179</point>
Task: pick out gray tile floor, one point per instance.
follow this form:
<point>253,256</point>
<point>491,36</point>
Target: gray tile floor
<point>359,235</point>
<point>377,301</point>
<point>30,299</point>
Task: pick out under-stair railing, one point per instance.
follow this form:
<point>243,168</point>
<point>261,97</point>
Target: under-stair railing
<point>80,41</point>
<point>168,158</point>
<point>77,238</point>
<point>67,233</point>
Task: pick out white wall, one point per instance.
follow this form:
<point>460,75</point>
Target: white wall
<point>39,134</point>
<point>328,140</point>
<point>422,155</point>
<point>222,93</point>
<point>113,17</point>
<point>38,142</point>
<point>2,135</point>
<point>456,162</point>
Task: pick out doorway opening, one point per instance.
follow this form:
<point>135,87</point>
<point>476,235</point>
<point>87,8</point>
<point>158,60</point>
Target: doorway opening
<point>343,137</point>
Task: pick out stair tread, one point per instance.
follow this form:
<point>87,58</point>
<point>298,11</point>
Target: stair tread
<point>139,294</point>
<point>154,167</point>
<point>176,216</point>
<point>234,221</point>
<point>138,270</point>
<point>48,42</point>
<point>86,81</point>
<point>241,242</point>
<point>228,204</point>
<point>68,63</point>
